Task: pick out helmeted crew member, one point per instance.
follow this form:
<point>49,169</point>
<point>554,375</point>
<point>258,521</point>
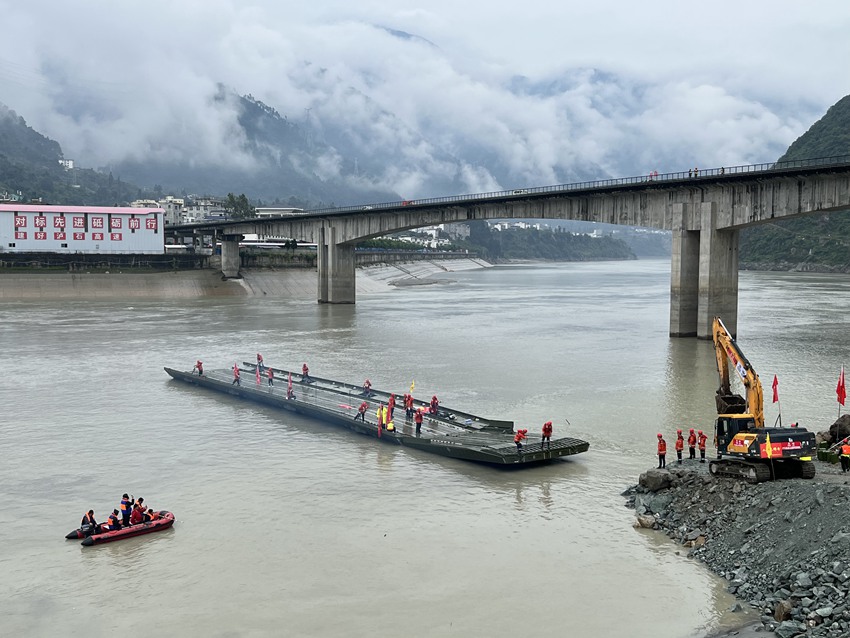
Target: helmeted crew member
<point>417,418</point>
<point>361,412</point>
<point>435,405</point>
<point>113,521</point>
<point>662,452</point>
<point>702,438</point>
<point>680,446</point>
<point>408,406</point>
<point>845,457</point>
<point>126,507</point>
<point>692,444</point>
<point>199,366</point>
<point>270,375</point>
<point>260,363</point>
<point>547,434</point>
<point>88,524</point>
<point>236,379</point>
<point>390,408</point>
<point>305,373</point>
<point>518,439</point>
<point>367,388</point>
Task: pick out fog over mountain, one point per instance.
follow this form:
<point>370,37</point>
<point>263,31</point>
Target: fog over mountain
<point>384,98</point>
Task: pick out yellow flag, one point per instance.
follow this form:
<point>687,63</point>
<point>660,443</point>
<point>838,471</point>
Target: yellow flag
<point>769,449</point>
<point>412,383</point>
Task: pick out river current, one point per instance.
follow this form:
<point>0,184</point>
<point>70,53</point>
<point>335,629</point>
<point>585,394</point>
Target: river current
<point>289,527</point>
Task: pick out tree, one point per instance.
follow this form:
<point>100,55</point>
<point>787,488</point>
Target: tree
<point>239,207</point>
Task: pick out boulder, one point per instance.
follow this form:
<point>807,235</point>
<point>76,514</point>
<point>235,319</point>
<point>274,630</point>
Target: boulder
<point>654,480</point>
<point>646,521</point>
<point>782,611</point>
<point>840,429</point>
<point>789,629</point>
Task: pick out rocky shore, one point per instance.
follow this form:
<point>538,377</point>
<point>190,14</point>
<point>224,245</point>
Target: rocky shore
<point>783,546</point>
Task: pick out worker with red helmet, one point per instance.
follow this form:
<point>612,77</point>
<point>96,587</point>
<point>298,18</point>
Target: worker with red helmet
<point>692,445</point>
<point>547,434</point>
<point>519,437</point>
<point>662,452</point>
<point>680,446</point>
<point>417,418</point>
<point>702,438</point>
<point>199,366</point>
<point>236,379</point>
<point>361,412</point>
<point>305,374</point>
<point>435,405</point>
<point>260,363</point>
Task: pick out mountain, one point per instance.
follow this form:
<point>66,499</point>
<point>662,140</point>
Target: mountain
<point>30,167</point>
<point>815,242</point>
<point>276,159</point>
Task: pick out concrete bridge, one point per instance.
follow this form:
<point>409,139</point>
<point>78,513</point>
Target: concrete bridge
<point>704,210</point>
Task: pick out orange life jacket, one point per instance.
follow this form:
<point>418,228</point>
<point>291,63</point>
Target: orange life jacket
<point>692,440</point>
<point>547,428</point>
<point>518,437</point>
<point>662,446</point>
<point>680,444</point>
<point>88,518</point>
<point>845,450</point>
<point>702,439</point>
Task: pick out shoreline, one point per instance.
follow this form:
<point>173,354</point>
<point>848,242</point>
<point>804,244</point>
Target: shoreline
<point>291,283</point>
<point>781,545</point>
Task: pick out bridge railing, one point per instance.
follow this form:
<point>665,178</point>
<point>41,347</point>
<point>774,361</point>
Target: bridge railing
<point>691,175</point>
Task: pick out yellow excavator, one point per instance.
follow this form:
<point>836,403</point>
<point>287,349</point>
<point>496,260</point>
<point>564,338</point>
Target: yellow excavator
<point>745,448</point>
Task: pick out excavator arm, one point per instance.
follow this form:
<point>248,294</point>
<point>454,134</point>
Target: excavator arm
<point>729,355</point>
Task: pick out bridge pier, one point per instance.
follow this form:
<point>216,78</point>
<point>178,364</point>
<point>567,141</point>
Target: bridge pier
<point>704,274</point>
<point>230,261</point>
<point>335,264</point>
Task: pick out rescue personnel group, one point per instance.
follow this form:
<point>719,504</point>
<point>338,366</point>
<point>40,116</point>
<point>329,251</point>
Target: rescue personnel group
<point>694,441</point>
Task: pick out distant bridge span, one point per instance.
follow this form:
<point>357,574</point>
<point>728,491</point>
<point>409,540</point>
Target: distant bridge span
<point>704,211</point>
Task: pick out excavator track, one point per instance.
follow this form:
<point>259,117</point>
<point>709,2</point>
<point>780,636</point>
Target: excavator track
<point>731,468</point>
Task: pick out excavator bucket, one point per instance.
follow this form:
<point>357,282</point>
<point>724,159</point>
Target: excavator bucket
<point>730,403</point>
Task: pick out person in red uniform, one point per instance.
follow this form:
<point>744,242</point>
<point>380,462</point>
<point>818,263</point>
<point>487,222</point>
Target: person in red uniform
<point>367,388</point>
<point>662,452</point>
<point>680,446</point>
<point>270,375</point>
<point>692,444</point>
<point>199,366</point>
<point>305,374</point>
<point>547,434</point>
<point>236,379</point>
<point>361,412</point>
<point>435,405</point>
<point>701,439</point>
<point>417,418</point>
<point>519,437</point>
<point>260,363</point>
<point>408,406</point>
<point>136,516</point>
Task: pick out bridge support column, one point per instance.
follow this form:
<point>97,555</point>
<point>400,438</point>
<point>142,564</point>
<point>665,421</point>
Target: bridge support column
<point>684,276</point>
<point>336,269</point>
<point>230,261</point>
<point>718,274</point>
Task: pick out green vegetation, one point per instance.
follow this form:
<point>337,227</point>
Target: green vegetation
<point>239,207</point>
<point>818,242</point>
<point>530,243</point>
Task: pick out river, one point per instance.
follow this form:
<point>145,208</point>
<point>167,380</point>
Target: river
<point>290,527</point>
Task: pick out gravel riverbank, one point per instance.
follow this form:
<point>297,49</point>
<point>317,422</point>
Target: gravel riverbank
<point>783,546</point>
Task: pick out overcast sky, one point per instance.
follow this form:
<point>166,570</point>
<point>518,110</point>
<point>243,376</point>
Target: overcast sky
<point>545,89</point>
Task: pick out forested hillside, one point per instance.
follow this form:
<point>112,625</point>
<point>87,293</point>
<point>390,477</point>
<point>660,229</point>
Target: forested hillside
<point>817,242</point>
<point>29,165</point>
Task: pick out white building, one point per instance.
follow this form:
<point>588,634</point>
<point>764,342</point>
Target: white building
<point>80,229</point>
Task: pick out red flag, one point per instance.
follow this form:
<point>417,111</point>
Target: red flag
<point>258,375</point>
<point>840,390</point>
<point>775,389</point>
